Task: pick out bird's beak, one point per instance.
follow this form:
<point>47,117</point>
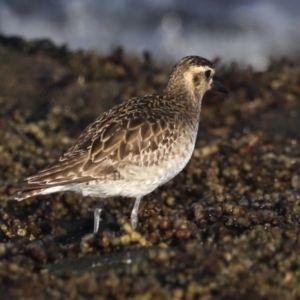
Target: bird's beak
<point>215,86</point>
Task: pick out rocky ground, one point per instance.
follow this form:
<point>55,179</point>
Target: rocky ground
<point>227,227</point>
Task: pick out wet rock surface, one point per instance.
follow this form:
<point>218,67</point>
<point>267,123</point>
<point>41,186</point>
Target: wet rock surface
<point>227,227</point>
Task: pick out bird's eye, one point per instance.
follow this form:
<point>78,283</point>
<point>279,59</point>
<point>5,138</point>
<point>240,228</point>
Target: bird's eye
<point>207,73</point>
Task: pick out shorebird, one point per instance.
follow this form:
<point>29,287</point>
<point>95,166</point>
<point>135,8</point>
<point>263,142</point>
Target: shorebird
<point>134,147</point>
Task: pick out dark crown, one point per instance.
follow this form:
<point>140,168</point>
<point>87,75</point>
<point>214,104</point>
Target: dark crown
<point>194,61</point>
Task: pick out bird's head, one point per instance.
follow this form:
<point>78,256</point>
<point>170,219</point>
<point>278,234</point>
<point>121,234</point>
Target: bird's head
<point>193,75</point>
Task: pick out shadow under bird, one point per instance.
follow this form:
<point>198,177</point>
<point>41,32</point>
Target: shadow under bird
<point>134,147</point>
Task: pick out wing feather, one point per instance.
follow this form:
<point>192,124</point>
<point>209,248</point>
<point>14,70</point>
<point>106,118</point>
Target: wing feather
<point>131,133</point>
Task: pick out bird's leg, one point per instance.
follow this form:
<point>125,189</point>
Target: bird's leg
<point>134,213</point>
<point>97,214</point>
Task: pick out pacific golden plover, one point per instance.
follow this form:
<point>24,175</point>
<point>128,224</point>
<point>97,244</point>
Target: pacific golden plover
<point>134,147</point>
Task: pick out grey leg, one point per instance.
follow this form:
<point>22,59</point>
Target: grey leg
<point>134,213</point>
<point>97,214</point>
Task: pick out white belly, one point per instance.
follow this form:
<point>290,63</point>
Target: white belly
<point>141,180</point>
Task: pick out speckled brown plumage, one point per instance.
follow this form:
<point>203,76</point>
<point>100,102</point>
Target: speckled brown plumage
<point>134,147</point>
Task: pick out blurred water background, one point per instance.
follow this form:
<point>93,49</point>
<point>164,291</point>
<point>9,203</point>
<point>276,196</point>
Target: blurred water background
<point>245,31</point>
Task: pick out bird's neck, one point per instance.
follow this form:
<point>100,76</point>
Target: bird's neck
<point>180,87</point>
<point>189,97</point>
